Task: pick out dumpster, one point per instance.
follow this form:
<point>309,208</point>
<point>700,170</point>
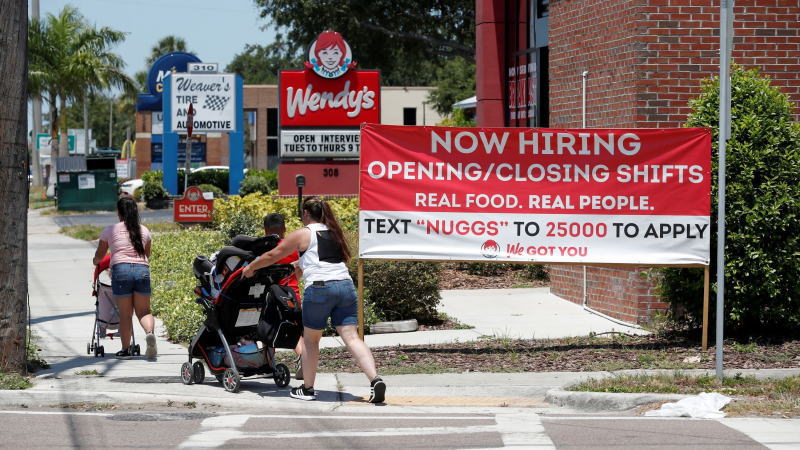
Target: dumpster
<point>86,183</point>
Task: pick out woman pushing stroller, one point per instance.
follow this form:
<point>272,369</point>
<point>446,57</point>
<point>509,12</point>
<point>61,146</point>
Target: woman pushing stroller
<point>329,293</point>
<point>129,242</point>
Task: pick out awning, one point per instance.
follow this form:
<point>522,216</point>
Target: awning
<point>467,103</point>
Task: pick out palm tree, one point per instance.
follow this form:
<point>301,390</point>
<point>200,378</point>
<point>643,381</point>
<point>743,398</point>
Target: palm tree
<point>68,58</point>
<point>167,44</point>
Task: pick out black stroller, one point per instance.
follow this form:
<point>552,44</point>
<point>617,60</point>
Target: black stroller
<point>247,311</point>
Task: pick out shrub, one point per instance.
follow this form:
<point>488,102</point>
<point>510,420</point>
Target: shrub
<point>153,176</point>
<point>211,188</point>
<point>763,213</point>
<point>153,191</point>
<point>270,175</point>
<point>484,269</point>
<point>400,290</point>
<point>254,184</point>
<point>218,178</point>
<point>243,221</point>
<point>172,279</point>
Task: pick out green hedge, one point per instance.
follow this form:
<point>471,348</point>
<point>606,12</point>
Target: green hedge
<point>762,260</point>
<point>173,281</point>
<point>218,178</point>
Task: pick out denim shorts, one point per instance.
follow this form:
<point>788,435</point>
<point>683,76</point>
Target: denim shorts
<point>335,299</point>
<point>128,278</point>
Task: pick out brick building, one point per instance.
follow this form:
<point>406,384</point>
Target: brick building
<point>641,62</point>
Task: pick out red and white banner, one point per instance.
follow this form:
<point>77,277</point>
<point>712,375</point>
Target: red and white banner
<point>308,100</point>
<point>614,196</point>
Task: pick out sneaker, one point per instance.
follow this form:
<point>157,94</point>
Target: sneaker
<point>298,374</point>
<point>303,393</point>
<point>124,354</point>
<point>377,390</point>
<point>152,350</point>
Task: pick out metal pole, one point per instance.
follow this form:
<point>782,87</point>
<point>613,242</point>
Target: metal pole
<point>110,121</point>
<point>85,122</point>
<point>188,156</point>
<point>583,99</point>
<point>725,21</point>
<point>361,298</point>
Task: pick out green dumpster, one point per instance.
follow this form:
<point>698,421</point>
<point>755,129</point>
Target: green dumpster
<point>86,183</point>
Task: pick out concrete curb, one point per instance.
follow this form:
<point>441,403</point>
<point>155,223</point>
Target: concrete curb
<point>605,401</point>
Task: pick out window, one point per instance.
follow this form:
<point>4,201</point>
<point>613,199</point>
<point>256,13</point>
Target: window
<point>409,116</point>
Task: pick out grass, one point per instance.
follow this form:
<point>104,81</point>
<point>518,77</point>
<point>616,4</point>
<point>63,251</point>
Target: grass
<point>92,232</point>
<point>13,381</point>
<point>37,198</point>
<point>752,396</point>
<point>83,232</point>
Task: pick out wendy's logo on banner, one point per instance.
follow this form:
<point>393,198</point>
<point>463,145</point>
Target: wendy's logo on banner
<point>329,55</point>
<point>490,249</point>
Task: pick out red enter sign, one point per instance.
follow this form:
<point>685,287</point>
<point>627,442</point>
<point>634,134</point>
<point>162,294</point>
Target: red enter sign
<point>193,207</point>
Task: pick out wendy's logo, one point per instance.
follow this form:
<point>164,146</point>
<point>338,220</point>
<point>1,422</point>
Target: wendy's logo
<point>490,249</point>
<point>329,56</point>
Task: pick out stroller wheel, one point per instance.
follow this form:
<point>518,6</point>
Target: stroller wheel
<point>281,375</point>
<point>102,351</point>
<point>231,381</point>
<point>137,350</point>
<point>187,375</point>
<point>218,376</point>
<point>88,348</point>
<point>199,372</point>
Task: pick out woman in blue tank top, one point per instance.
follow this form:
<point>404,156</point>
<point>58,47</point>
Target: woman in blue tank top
<point>329,293</point>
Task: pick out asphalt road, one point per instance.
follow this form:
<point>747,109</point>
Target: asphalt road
<point>397,428</point>
<point>110,218</point>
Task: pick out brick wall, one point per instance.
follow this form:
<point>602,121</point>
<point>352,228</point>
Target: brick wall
<point>645,60</point>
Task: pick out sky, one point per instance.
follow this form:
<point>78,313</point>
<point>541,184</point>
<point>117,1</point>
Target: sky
<point>214,30</point>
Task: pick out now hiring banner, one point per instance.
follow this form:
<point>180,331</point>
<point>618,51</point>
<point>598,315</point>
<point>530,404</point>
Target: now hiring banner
<point>613,196</point>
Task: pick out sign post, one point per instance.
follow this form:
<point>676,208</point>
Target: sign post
<point>189,128</point>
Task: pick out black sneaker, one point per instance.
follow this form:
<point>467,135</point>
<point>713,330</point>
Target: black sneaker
<point>377,390</point>
<point>303,393</point>
<point>124,354</point>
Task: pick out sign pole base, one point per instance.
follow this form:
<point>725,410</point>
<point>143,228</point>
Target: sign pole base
<point>706,279</point>
<point>361,298</point>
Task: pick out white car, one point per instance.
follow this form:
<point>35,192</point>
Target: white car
<point>130,186</point>
<point>200,169</point>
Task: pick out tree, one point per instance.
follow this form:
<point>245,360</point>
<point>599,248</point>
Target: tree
<point>98,105</point>
<point>406,40</point>
<point>260,64</point>
<point>13,184</point>
<point>762,289</point>
<point>167,44</point>
<point>455,81</point>
<point>69,58</point>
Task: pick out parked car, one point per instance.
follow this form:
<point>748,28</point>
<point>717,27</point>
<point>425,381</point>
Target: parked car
<point>200,169</point>
<point>129,187</point>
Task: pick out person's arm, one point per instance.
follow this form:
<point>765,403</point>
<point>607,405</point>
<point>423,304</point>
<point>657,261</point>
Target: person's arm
<point>147,248</point>
<point>284,249</point>
<point>102,249</point>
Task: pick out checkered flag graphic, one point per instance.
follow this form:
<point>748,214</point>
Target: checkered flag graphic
<point>216,102</point>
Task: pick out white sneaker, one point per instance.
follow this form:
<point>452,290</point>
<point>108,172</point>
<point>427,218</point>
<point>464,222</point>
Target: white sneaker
<point>152,350</point>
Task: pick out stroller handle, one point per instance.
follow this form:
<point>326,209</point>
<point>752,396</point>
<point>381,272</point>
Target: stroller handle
<point>236,276</point>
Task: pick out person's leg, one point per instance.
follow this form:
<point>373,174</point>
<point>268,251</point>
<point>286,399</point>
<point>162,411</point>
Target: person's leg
<point>361,353</point>
<point>310,355</point>
<point>298,350</point>
<point>141,304</point>
<point>125,307</point>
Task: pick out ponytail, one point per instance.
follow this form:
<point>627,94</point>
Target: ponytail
<point>321,212</point>
<point>129,213</point>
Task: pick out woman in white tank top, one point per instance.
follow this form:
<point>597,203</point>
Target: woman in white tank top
<point>329,293</point>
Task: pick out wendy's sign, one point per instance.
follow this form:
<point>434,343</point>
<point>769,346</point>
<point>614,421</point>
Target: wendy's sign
<point>329,92</point>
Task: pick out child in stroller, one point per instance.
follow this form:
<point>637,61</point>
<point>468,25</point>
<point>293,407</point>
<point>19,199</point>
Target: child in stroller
<point>240,314</point>
<point>106,314</point>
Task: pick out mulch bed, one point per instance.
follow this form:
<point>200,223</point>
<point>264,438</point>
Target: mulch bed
<point>598,353</point>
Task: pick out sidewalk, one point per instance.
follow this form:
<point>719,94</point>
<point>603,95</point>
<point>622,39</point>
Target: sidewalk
<point>62,314</point>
